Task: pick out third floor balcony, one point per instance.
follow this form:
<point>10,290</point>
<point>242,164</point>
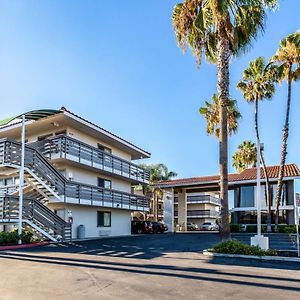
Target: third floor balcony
<point>64,147</point>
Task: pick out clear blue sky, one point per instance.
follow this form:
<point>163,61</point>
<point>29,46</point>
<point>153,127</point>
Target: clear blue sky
<point>117,64</point>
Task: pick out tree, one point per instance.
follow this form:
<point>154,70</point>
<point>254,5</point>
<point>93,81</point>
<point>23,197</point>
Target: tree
<point>211,112</point>
<point>219,30</point>
<point>287,59</point>
<point>257,84</point>
<point>158,172</point>
<point>245,156</point>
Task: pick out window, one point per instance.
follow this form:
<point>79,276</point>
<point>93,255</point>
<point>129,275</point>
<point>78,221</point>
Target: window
<point>104,219</point>
<point>247,196</point>
<point>61,132</point>
<point>104,183</point>
<point>104,149</point>
<point>44,137</point>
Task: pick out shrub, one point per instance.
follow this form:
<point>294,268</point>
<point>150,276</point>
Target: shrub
<point>236,247</point>
<point>290,229</point>
<point>235,227</point>
<point>251,228</point>
<point>11,238</point>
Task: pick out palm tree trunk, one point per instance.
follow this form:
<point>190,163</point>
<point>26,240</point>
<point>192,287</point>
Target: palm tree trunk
<point>283,148</point>
<point>264,167</point>
<point>223,57</point>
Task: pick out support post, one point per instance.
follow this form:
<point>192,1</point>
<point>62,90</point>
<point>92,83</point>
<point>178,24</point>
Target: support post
<point>21,181</point>
<point>296,218</point>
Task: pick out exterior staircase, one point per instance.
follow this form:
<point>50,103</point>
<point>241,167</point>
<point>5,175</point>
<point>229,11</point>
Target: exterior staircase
<point>37,218</point>
<point>44,184</point>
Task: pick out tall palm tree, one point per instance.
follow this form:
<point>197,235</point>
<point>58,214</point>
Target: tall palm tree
<point>219,29</point>
<point>287,58</point>
<point>257,84</point>
<point>211,112</point>
<point>158,172</point>
<point>245,156</point>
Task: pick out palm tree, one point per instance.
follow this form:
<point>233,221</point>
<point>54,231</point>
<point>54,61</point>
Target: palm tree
<point>219,30</point>
<point>257,84</point>
<point>158,172</point>
<point>287,58</point>
<point>211,112</point>
<point>245,156</point>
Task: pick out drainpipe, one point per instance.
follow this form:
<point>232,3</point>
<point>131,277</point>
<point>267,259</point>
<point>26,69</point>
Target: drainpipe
<point>21,181</point>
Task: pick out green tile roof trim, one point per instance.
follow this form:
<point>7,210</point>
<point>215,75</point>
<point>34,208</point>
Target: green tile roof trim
<point>32,115</point>
<point>6,121</point>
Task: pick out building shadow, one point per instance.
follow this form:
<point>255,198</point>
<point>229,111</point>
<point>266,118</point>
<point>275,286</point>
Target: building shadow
<point>276,282</point>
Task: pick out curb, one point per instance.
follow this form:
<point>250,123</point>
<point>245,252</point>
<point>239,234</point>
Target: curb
<point>263,258</point>
<point>25,246</point>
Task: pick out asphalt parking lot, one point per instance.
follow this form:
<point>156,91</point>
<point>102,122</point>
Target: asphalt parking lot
<point>167,266</point>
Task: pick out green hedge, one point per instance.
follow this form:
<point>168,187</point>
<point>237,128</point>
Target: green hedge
<point>11,238</point>
<point>236,247</point>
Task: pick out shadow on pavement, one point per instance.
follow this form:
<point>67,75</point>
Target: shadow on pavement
<point>193,273</point>
<point>137,247</point>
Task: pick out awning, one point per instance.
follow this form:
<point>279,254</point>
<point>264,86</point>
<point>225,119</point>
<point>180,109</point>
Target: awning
<point>32,115</point>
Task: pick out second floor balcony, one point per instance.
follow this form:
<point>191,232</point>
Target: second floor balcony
<point>64,147</point>
<point>205,213</point>
<point>200,199</point>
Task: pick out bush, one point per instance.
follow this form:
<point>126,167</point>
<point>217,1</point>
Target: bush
<point>251,228</point>
<point>236,247</point>
<point>290,229</point>
<point>11,238</point>
<point>235,228</point>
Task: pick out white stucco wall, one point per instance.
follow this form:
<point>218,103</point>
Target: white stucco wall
<point>91,177</point>
<point>87,216</point>
<point>83,137</point>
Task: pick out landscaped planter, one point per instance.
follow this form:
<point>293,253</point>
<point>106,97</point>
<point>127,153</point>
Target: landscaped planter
<point>263,258</point>
<point>23,246</point>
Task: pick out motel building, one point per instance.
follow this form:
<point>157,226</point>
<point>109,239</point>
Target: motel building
<point>78,177</point>
<point>197,200</point>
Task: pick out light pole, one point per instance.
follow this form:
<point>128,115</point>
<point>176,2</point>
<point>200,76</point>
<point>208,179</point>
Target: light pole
<point>259,239</point>
<point>21,181</point>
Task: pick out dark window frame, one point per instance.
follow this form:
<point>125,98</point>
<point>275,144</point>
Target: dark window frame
<point>104,148</point>
<point>44,137</point>
<point>104,181</point>
<point>103,212</point>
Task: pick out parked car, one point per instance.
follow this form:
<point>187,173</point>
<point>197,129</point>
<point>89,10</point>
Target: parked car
<point>159,227</point>
<point>141,227</point>
<point>209,226</point>
<point>192,226</point>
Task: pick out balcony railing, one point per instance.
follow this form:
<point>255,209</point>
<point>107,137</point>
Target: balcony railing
<point>200,199</point>
<point>69,148</point>
<point>207,213</point>
<point>71,192</point>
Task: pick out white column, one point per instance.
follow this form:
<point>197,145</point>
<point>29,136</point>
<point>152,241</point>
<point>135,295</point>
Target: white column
<point>21,180</point>
<point>182,210</point>
<point>296,219</point>
<point>168,198</point>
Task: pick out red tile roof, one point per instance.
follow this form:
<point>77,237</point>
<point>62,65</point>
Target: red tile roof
<point>290,170</point>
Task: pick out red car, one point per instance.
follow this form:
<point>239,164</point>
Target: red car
<point>141,227</point>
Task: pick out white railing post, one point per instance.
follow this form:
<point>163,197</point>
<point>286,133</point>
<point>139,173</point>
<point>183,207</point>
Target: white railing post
<point>21,181</point>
